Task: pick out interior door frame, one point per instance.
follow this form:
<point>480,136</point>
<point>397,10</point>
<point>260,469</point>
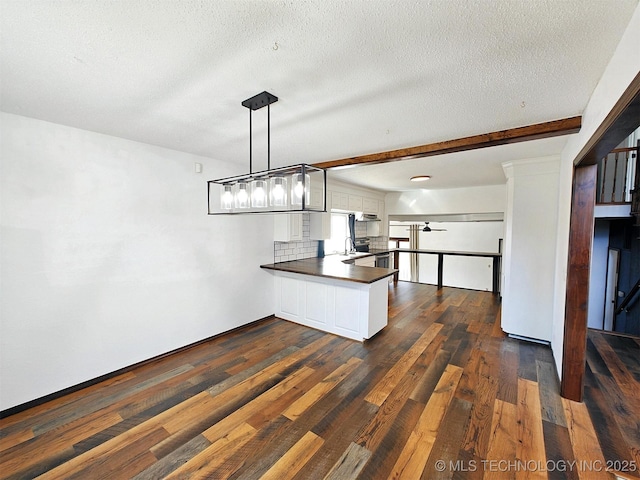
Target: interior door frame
<point>621,121</point>
<point>613,299</point>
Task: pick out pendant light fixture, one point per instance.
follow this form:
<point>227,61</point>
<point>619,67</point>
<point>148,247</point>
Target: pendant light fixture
<point>267,191</point>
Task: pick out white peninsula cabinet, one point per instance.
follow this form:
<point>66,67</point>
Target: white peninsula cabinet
<point>346,300</point>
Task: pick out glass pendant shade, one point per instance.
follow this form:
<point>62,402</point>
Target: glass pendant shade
<point>226,197</point>
<point>298,187</point>
<point>278,192</point>
<point>242,199</point>
<point>259,193</point>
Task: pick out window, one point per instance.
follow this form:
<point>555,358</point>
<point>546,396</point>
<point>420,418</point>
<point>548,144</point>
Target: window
<point>339,233</point>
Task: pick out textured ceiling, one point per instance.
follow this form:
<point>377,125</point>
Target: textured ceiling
<point>353,77</point>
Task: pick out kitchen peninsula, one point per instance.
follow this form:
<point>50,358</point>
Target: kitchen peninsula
<point>332,295</point>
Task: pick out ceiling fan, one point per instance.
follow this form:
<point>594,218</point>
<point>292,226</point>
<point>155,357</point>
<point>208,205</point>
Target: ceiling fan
<point>427,228</point>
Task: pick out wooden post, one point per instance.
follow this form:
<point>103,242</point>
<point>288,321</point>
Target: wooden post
<point>577,296</point>
<point>396,263</point>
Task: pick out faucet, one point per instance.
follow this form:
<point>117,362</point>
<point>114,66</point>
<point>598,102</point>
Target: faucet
<point>350,248</point>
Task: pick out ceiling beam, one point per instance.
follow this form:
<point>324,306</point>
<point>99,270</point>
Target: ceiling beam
<point>555,128</point>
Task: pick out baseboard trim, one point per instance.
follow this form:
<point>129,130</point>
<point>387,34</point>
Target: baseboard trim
<point>74,388</point>
<point>529,339</point>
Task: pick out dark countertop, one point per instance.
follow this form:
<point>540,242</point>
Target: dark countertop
<point>378,251</point>
<point>448,252</point>
<point>334,266</point>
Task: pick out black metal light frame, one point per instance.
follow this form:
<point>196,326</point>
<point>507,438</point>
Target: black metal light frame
<point>255,103</point>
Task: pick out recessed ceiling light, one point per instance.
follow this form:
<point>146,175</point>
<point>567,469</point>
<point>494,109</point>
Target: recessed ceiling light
<point>420,178</point>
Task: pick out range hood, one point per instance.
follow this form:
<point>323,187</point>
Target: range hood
<point>366,217</point>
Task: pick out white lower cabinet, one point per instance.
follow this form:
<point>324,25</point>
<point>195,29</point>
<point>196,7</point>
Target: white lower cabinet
<point>349,309</point>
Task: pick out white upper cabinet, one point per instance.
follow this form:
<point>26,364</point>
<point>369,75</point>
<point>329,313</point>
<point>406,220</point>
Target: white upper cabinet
<point>287,227</point>
<point>370,205</point>
<point>355,203</point>
<point>384,221</point>
<point>316,200</point>
<point>339,201</point>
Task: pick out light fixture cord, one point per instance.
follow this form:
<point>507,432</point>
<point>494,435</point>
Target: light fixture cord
<point>268,136</point>
<point>250,144</point>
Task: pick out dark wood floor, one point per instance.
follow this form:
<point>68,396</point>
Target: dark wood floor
<point>440,393</point>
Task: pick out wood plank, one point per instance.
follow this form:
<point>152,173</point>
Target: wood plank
<point>181,455</point>
<point>470,378</point>
<point>388,449</point>
<point>557,445</point>
<point>338,436</point>
<point>627,351</point>
<point>577,296</point>
<point>476,440</point>
<point>277,435</point>
<point>292,461</point>
<point>169,393</point>
<point>15,438</point>
<point>626,416</point>
<point>425,385</point>
<point>373,432</point>
<point>221,428</point>
<point>100,401</point>
<point>612,442</point>
<point>530,446</point>
<point>121,441</point>
<point>549,387</point>
<point>263,416</point>
<point>185,427</point>
<point>27,418</point>
<point>623,378</point>
<point>446,447</point>
<point>527,361</point>
<point>502,443</point>
<point>321,389</point>
<point>586,448</point>
<point>122,463</point>
<point>503,137</point>
<point>350,463</point>
<point>508,380</point>
<point>204,464</point>
<point>382,390</point>
<point>46,446</point>
<point>414,456</point>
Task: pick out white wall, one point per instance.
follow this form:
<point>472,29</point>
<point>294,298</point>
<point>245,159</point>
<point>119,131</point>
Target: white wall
<point>529,247</point>
<point>108,257</point>
<point>474,273</point>
<point>485,199</point>
<point>621,70</point>
<point>461,272</point>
